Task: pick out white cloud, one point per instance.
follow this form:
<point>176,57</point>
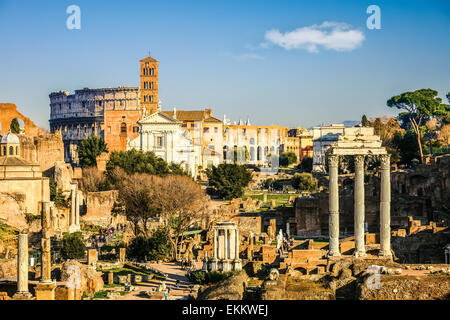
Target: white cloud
<point>328,35</point>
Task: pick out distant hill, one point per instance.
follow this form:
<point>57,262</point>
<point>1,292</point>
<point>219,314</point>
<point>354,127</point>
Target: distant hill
<point>346,123</point>
<point>351,123</point>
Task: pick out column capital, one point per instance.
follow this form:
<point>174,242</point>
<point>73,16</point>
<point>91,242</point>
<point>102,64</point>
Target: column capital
<point>385,160</point>
<point>333,160</point>
<point>359,160</point>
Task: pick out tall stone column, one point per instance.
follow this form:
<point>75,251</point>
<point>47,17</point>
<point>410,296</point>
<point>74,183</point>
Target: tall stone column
<point>73,204</point>
<point>45,244</point>
<point>232,244</point>
<point>74,224</point>
<point>45,289</point>
<point>333,207</point>
<point>22,269</point>
<point>213,264</point>
<point>77,208</point>
<point>215,244</point>
<point>359,207</point>
<point>237,260</point>
<point>385,207</point>
<point>237,242</point>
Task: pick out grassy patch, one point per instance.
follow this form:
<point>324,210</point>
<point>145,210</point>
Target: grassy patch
<point>114,285</point>
<point>128,268</point>
<point>7,232</point>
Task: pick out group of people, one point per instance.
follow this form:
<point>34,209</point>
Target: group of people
<point>105,235</point>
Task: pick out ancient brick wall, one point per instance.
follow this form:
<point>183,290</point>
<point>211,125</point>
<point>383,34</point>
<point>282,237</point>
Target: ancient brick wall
<point>99,206</point>
<point>9,112</point>
<point>45,150</point>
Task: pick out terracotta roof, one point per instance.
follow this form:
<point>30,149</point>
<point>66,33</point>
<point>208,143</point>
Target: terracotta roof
<point>212,119</point>
<point>187,115</point>
<point>15,161</point>
<point>148,59</point>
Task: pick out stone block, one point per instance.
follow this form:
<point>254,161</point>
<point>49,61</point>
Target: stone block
<point>92,257</point>
<point>45,291</point>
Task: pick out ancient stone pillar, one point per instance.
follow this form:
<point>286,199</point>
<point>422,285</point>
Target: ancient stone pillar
<point>232,244</point>
<point>359,207</point>
<point>77,209</point>
<point>73,204</point>
<point>385,207</point>
<point>236,243</point>
<point>46,256</point>
<point>22,269</point>
<point>213,265</point>
<point>45,289</point>
<point>215,244</point>
<point>333,207</point>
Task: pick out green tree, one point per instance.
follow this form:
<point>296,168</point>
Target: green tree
<point>56,195</point>
<point>90,149</point>
<point>229,180</point>
<point>304,182</point>
<point>15,126</point>
<point>407,146</point>
<point>365,122</point>
<point>137,161</point>
<point>306,164</point>
<point>73,246</point>
<point>159,244</point>
<point>287,158</point>
<point>419,105</point>
<point>138,248</point>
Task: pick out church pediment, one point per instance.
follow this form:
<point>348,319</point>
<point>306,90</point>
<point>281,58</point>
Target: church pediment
<point>158,117</point>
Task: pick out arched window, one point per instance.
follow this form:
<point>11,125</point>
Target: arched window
<point>4,151</point>
<point>17,151</point>
<point>11,151</point>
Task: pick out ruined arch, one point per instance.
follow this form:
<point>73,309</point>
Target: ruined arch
<point>8,112</point>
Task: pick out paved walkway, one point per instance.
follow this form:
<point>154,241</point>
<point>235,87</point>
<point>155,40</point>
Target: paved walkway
<point>174,272</point>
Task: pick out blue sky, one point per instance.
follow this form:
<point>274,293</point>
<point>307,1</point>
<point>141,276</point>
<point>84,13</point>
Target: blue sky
<point>217,55</point>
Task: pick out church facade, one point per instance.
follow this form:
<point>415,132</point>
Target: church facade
<point>166,137</point>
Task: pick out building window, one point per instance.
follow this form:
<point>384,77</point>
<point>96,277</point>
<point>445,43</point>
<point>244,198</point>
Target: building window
<point>160,142</point>
<point>17,151</point>
<point>152,71</point>
<point>205,130</point>
<point>4,151</point>
<point>145,85</point>
<point>216,130</point>
<point>135,129</point>
<point>151,85</point>
<point>151,98</point>
<point>145,98</point>
<point>11,151</point>
<point>123,128</point>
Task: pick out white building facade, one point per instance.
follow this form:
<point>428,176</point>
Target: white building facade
<point>164,136</point>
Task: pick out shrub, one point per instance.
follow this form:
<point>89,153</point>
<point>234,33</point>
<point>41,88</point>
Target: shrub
<point>203,277</point>
<point>73,246</point>
<point>287,158</point>
<point>306,165</point>
<point>304,182</point>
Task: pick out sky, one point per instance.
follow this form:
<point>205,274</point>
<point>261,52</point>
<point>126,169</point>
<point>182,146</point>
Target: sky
<point>289,63</point>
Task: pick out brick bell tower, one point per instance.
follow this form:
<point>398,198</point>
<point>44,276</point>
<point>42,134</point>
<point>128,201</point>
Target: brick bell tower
<point>149,85</point>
